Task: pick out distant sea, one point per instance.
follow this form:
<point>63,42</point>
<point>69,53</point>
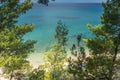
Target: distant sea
<point>75,15</point>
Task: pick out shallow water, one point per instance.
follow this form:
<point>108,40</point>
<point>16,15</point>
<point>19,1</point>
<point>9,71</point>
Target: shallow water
<point>75,15</point>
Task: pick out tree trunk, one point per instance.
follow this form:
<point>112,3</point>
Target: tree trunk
<point>74,76</point>
<point>114,59</point>
<point>11,76</point>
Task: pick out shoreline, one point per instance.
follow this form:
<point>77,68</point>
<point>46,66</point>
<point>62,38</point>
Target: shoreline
<point>36,59</point>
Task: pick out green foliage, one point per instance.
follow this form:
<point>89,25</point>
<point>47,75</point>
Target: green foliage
<point>61,33</point>
<point>10,11</point>
<point>55,52</point>
<point>36,74</point>
<point>44,1</point>
<point>13,48</point>
<point>56,56</point>
<point>103,62</point>
<point>77,61</point>
<point>14,63</point>
<point>111,17</point>
<point>101,42</point>
<point>55,59</point>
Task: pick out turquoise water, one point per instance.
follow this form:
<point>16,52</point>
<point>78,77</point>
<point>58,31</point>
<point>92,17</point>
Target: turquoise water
<point>45,18</point>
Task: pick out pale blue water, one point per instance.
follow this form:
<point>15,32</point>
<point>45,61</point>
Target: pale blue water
<point>45,18</point>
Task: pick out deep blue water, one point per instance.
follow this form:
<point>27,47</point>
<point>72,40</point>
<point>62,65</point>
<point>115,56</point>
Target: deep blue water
<point>75,15</point>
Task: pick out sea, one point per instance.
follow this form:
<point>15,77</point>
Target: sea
<point>75,16</point>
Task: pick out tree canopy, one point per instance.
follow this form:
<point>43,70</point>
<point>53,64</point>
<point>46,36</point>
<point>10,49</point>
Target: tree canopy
<point>105,45</point>
<point>13,48</point>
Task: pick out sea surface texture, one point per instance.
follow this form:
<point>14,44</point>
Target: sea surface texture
<point>75,15</point>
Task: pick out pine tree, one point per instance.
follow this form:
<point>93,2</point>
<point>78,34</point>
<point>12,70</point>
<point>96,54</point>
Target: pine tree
<point>111,17</point>
<point>56,55</point>
<point>13,48</point>
<point>45,2</point>
<point>111,22</point>
<point>104,61</point>
<point>36,74</point>
<point>77,63</point>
